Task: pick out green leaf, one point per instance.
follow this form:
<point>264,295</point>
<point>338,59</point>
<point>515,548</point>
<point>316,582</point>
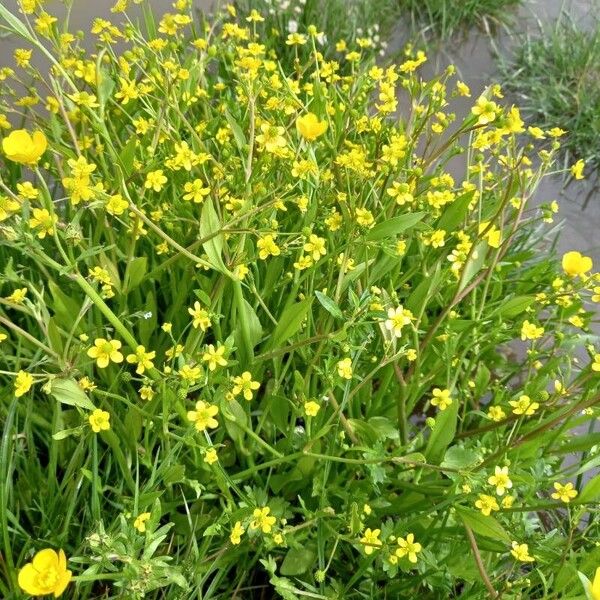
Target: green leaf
<point>514,306</point>
<point>289,322</point>
<point>474,264</point>
<point>136,270</point>
<point>234,414</point>
<point>209,226</point>
<point>443,433</point>
<point>14,23</point>
<point>127,156</point>
<point>238,134</point>
<point>590,491</point>
<point>66,391</point>
<point>456,213</point>
<point>65,433</point>
<point>329,305</point>
<point>297,561</point>
<point>394,226</point>
<point>457,457</point>
<point>487,526</point>
<point>425,290</point>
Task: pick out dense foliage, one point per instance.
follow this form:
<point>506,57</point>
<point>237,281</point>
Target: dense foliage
<point>258,341</point>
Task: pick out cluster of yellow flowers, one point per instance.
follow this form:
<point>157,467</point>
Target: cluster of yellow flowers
<point>250,271</point>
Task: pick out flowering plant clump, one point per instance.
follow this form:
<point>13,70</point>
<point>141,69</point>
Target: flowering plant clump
<point>259,341</point>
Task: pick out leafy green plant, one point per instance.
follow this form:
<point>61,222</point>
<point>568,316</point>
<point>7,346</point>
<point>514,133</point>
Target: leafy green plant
<point>443,19</point>
<point>554,77</point>
<point>258,342</point>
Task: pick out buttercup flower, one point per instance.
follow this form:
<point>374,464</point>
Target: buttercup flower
<point>574,263</point>
<point>262,519</point>
<point>344,368</point>
<point>397,319</point>
<point>311,408</point>
<point>441,398</point>
<point>140,522</point>
<point>142,359</point>
<point>521,552</point>
<point>99,420</point>
<point>594,588</point>
<point>500,480</point>
<point>408,547</point>
<point>46,574</point>
<point>20,147</point>
<point>236,533</point>
<point>244,384</point>
<point>564,493</point>
<point>309,126</point>
<point>23,383</point>
<point>105,351</point>
<point>203,416</point>
<point>371,540</point>
<point>486,504</point>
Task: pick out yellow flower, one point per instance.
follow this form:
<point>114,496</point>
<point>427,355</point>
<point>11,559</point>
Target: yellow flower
<point>203,416</point>
<point>116,205</point>
<point>365,217</point>
<point>408,547</point>
<point>296,39</point>
<point>309,126</point>
<point>564,493</point>
<point>140,522</point>
<point>486,504</point>
<point>142,358</point>
<point>195,191</point>
<point>20,147</point>
<point>524,406</point>
<point>214,357</point>
<point>500,480</point>
<point>200,317</point>
<point>267,247</point>
<point>105,351</point>
<point>311,408</point>
<point>595,586</point>
<point>441,398</point>
<point>17,296</point>
<point>344,368</point>
<point>43,221</point>
<point>23,383</point>
<point>99,420</point>
<point>371,540</point>
<point>46,574</point>
<point>210,456</point>
<point>485,110</point>
<point>236,533</point>
<point>271,138</point>
<point>574,263</point>
<point>397,319</point>
<point>155,180</point>
<point>496,413</point>
<point>262,520</point>
<point>492,235</point>
<point>596,363</point>
<point>521,552</point>
<point>244,384</point>
<point>530,331</point>
<point>577,169</point>
<point>315,246</point>
<point>3,337</point>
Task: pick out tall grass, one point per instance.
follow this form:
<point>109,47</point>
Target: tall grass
<point>555,77</point>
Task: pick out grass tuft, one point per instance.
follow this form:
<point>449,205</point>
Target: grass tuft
<point>555,78</point>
